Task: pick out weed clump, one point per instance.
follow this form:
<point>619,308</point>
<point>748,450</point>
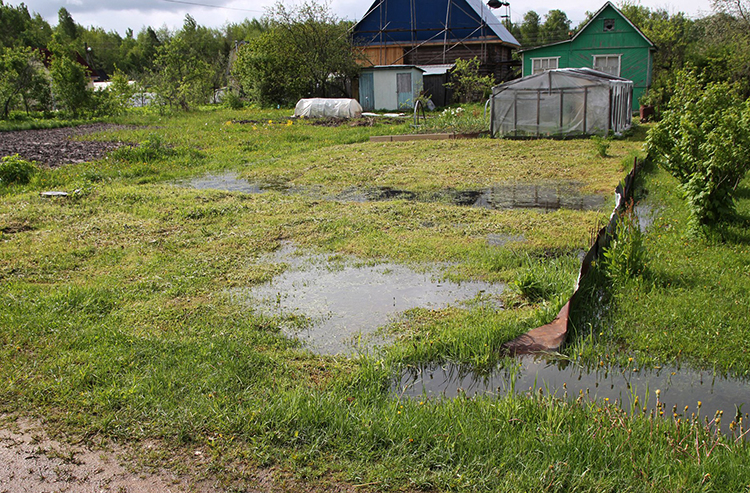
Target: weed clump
<point>625,258</point>
<point>13,169</point>
<point>151,149</point>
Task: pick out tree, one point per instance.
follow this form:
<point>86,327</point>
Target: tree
<point>69,83</point>
<point>310,42</point>
<point>19,28</point>
<point>556,27</point>
<point>676,38</point>
<point>265,73</point>
<point>530,29</point>
<point>21,79</point>
<point>468,86</point>
<point>66,26</point>
<point>703,140</point>
<point>180,78</point>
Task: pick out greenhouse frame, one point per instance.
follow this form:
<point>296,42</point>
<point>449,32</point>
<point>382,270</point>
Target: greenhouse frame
<point>562,103</point>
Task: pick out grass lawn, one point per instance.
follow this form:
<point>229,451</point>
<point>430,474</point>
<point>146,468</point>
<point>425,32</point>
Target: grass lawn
<point>115,321</point>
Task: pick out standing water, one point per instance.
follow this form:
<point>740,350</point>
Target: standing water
<point>330,303</point>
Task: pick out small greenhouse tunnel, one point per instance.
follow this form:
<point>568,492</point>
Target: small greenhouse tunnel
<point>562,103</point>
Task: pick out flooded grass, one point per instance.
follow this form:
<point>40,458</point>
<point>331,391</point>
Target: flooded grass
<point>116,322</point>
<point>546,196</point>
<point>335,305</point>
<point>672,392</point>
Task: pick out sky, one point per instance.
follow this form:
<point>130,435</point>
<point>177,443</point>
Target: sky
<point>119,15</point>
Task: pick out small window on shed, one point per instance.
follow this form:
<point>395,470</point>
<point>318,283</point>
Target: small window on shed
<point>609,25</point>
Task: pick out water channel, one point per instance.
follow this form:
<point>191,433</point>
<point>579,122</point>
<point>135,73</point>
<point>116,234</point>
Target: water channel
<point>677,387</point>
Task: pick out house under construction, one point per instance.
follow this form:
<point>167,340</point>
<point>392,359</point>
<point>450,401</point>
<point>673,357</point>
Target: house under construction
<point>435,32</point>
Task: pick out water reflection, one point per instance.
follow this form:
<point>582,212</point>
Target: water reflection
<point>678,387</point>
<point>543,197</point>
<point>329,303</point>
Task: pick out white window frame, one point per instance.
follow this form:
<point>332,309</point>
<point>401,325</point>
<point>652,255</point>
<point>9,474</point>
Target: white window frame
<point>613,55</point>
<point>549,59</point>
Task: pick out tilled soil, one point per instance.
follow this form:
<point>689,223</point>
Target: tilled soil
<point>54,147</point>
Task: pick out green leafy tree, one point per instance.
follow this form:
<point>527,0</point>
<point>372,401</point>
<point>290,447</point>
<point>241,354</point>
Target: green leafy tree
<point>310,43</point>
<point>556,27</point>
<point>22,79</point>
<point>66,26</point>
<point>703,140</point>
<point>676,38</point>
<point>467,83</point>
<point>19,28</point>
<point>69,84</point>
<point>265,73</point>
<point>180,79</point>
<point>530,29</point>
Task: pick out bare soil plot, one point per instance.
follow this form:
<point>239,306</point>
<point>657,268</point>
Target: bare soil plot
<point>54,147</point>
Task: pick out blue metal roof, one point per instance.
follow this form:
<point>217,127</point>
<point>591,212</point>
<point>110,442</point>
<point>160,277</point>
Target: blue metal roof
<point>421,21</point>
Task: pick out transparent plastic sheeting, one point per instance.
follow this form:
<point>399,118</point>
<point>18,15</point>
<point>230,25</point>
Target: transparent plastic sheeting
<point>562,102</point>
<point>328,107</point>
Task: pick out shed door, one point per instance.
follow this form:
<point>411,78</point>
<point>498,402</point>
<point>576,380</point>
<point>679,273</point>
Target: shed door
<point>367,92</point>
<point>403,90</point>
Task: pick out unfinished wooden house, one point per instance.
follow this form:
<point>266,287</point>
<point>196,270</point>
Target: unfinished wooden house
<point>435,32</point>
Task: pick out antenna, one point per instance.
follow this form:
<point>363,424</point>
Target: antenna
<point>496,4</point>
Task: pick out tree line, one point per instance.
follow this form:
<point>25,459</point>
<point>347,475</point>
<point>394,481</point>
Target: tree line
<point>299,51</point>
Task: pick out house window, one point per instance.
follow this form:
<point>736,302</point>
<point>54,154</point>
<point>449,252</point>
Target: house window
<point>539,65</point>
<point>609,64</point>
<point>609,25</point>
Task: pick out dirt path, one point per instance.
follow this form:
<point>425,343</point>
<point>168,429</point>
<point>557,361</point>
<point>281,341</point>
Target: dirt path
<point>32,462</point>
<point>53,147</point>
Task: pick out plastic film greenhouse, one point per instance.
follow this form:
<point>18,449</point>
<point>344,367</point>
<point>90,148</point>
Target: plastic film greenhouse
<point>562,103</point>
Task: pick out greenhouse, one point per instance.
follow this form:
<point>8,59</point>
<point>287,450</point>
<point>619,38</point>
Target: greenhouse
<point>562,103</point>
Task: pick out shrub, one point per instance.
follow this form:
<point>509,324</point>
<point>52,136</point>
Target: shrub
<point>13,169</point>
<point>232,101</point>
<point>601,145</point>
<point>703,140</point>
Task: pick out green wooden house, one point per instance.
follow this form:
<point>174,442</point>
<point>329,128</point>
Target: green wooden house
<point>609,43</point>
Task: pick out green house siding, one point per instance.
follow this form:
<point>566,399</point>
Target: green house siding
<point>634,50</point>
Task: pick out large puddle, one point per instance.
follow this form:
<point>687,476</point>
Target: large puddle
<point>677,387</point>
<point>548,196</point>
<point>335,305</point>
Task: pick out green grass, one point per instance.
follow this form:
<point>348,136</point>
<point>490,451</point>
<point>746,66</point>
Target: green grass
<point>116,323</point>
<point>691,304</point>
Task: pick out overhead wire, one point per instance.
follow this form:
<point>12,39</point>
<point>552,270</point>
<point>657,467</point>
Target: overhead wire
<point>184,2</point>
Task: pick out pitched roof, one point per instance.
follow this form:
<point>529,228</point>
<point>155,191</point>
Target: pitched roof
<point>420,21</point>
<point>593,18</point>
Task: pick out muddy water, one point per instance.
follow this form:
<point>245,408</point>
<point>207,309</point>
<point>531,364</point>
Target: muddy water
<point>677,386</point>
<point>544,197</point>
<point>334,306</point>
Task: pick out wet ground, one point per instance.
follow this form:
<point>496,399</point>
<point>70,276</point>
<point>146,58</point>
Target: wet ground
<point>336,306</point>
<point>546,196</point>
<point>678,387</point>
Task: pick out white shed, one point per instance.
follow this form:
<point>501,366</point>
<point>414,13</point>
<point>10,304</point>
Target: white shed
<point>389,87</point>
<point>563,102</point>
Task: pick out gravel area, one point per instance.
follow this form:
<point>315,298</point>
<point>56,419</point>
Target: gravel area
<point>54,147</point>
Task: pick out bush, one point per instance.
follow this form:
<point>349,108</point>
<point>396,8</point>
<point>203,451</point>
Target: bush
<point>601,145</point>
<point>703,140</point>
<point>13,169</point>
<point>232,101</point>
